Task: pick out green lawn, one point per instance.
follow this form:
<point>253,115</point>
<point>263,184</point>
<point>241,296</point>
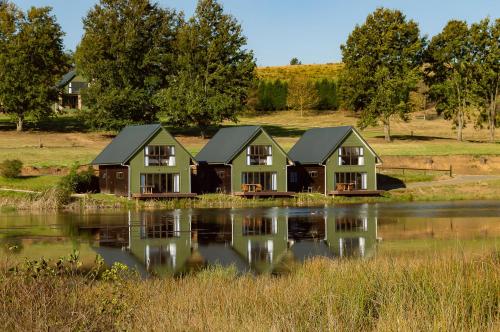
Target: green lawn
<point>36,183</point>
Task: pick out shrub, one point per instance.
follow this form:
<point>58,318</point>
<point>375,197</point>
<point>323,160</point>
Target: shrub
<point>78,182</point>
<point>11,168</point>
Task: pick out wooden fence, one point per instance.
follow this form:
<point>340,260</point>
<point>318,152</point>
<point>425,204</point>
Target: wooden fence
<point>425,170</point>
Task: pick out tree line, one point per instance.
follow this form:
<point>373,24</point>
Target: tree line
<point>275,95</point>
<point>144,61</point>
<point>386,59</point>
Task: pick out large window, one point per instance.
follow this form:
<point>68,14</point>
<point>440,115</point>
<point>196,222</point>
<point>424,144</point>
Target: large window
<point>351,155</point>
<point>159,183</point>
<point>152,228</point>
<point>260,251</point>
<point>159,155</point>
<point>350,181</point>
<point>259,181</point>
<point>351,224</point>
<point>259,155</point>
<point>259,225</point>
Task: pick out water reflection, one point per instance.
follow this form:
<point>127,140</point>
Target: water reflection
<point>261,240</point>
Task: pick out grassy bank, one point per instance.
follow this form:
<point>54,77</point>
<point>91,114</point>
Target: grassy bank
<point>434,292</point>
<point>49,200</point>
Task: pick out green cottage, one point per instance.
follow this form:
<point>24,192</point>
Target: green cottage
<point>333,161</point>
<point>71,86</point>
<point>243,161</point>
<point>145,161</point>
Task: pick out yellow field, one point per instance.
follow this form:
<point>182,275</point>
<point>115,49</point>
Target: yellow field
<point>300,72</point>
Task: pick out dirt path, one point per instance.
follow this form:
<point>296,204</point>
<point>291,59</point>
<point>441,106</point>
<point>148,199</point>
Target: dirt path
<point>458,179</point>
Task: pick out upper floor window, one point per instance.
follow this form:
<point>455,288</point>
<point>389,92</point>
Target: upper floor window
<point>159,155</point>
<point>259,155</point>
<point>351,155</point>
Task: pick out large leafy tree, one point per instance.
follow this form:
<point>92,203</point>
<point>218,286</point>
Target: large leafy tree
<point>485,37</point>
<point>382,59</point>
<point>31,61</point>
<point>214,71</point>
<point>126,53</point>
<point>450,67</point>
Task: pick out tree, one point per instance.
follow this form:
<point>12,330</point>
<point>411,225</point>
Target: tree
<point>449,73</point>
<point>214,71</point>
<point>302,95</point>
<point>486,48</point>
<point>384,53</point>
<point>126,53</point>
<point>327,94</point>
<point>272,95</point>
<point>31,62</point>
<point>294,61</point>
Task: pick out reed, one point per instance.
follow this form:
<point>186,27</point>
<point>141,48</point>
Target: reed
<point>430,292</point>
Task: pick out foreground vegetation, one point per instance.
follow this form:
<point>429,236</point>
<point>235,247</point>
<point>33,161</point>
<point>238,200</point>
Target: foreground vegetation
<point>429,292</point>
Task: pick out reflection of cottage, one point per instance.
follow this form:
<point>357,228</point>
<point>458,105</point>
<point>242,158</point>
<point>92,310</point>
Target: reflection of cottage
<point>334,161</point>
<point>162,242</point>
<point>71,85</point>
<point>244,161</point>
<point>145,161</point>
<point>351,235</point>
<point>261,240</point>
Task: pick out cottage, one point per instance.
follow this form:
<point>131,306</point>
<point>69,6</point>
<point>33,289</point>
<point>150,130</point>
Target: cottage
<point>71,86</point>
<point>243,161</point>
<point>336,161</point>
<point>145,161</point>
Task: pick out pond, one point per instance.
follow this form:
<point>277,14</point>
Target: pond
<point>256,240</point>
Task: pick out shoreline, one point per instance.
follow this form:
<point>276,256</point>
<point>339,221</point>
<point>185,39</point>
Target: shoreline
<point>48,200</point>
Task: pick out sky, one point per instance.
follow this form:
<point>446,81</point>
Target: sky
<point>311,30</point>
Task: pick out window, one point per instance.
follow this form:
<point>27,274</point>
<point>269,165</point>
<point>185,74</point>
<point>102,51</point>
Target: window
<point>260,251</point>
<point>351,224</point>
<point>259,155</point>
<point>162,255</point>
<point>351,155</point>
<point>119,175</point>
<point>166,227</point>
<point>313,174</point>
<point>159,155</point>
<point>267,180</point>
<point>350,181</point>
<point>259,225</point>
<point>221,174</point>
<point>160,183</point>
<point>293,177</point>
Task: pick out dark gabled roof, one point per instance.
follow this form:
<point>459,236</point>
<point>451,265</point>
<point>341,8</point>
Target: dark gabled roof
<point>126,144</point>
<point>226,144</point>
<point>317,144</point>
<point>66,79</point>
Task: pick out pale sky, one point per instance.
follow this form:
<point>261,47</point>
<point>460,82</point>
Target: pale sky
<point>311,30</point>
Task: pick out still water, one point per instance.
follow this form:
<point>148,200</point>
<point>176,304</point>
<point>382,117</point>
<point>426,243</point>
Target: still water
<point>257,240</point>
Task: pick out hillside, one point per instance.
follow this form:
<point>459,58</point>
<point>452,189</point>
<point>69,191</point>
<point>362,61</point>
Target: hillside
<point>300,72</point>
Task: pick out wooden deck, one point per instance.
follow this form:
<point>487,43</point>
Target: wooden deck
<point>251,194</point>
<point>356,192</point>
<point>164,195</point>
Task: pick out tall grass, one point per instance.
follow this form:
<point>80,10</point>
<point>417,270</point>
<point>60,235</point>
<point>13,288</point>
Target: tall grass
<point>429,293</point>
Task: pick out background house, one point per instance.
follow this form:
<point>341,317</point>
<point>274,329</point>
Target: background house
<point>333,160</point>
<point>71,85</point>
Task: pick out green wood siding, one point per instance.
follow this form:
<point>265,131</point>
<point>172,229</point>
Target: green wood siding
<point>78,83</point>
<point>332,164</point>
<point>182,163</point>
<point>279,163</point>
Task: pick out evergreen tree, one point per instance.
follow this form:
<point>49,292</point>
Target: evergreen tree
<point>382,59</point>
<point>327,94</point>
<point>127,54</point>
<point>32,60</point>
<point>214,72</point>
